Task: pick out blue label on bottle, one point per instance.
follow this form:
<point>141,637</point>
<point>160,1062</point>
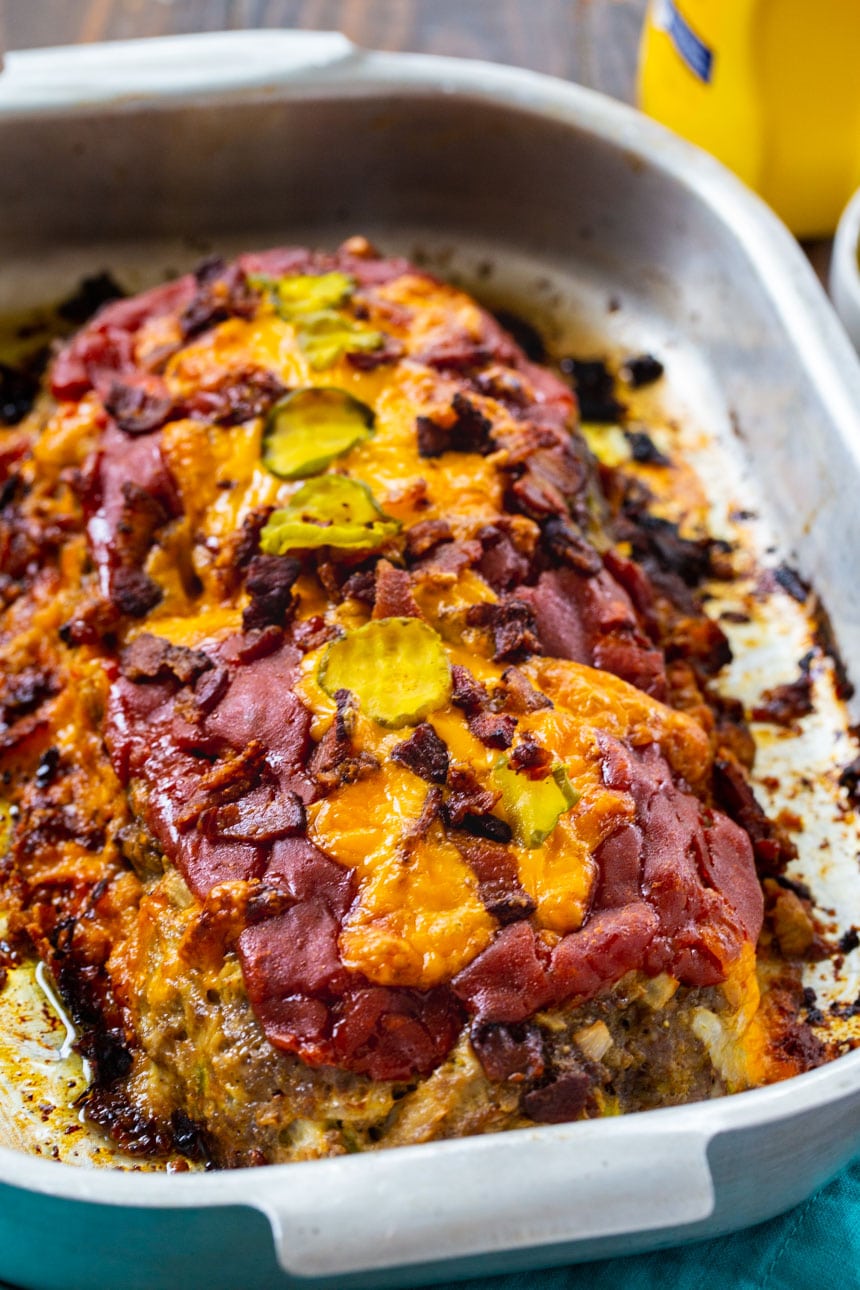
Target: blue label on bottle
<point>691,48</point>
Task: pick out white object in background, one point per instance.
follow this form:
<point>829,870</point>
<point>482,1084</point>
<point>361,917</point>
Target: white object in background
<point>845,270</point>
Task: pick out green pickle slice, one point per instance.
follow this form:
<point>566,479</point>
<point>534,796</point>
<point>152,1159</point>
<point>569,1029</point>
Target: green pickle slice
<point>310,428</point>
<point>306,292</point>
<point>330,511</point>
<point>312,302</point>
<point>326,335</point>
<point>397,668</point>
<point>533,807</point>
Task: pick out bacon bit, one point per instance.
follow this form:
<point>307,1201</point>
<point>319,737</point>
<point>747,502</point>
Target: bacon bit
<point>134,593</point>
<point>226,781</point>
<point>425,754</point>
<point>519,694</point>
<point>430,812</point>
<point>468,798</point>
<point>361,586</point>
<point>270,582</point>
<point>23,692</point>
<point>469,431</point>
<point>513,627</point>
<point>151,658</point>
<point>393,596</point>
<point>237,397</point>
<point>783,705</point>
<point>311,633</point>
<point>447,561</point>
<point>210,689</point>
<point>557,1103</point>
<point>567,545</point>
<point>259,642</point>
<point>498,878</point>
<point>514,1053</point>
<point>773,849</point>
<point>530,759</point>
<point>334,761</point>
<point>467,693</point>
<point>552,478</point>
<point>494,729</point>
<point>141,516</point>
<point>262,815</point>
<point>501,564</point>
<point>222,292</point>
<point>140,408</point>
<point>425,535</point>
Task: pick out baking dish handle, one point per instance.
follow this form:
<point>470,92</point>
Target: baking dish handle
<point>478,1196</point>
<point>168,67</point>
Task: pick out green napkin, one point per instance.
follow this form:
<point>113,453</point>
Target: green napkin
<point>813,1247</point>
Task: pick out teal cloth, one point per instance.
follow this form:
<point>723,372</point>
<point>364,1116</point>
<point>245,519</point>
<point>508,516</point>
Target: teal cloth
<point>813,1247</point>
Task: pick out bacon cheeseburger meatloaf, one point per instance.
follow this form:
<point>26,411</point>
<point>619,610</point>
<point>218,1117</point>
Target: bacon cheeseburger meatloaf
<point>359,757</point>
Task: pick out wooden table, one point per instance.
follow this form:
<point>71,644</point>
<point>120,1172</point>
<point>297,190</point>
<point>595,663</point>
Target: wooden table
<point>590,41</point>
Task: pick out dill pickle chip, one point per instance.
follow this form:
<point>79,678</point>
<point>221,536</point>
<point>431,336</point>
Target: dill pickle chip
<point>310,428</point>
<point>397,668</point>
<point>326,335</point>
<point>329,511</point>
<point>303,293</point>
<point>533,807</point>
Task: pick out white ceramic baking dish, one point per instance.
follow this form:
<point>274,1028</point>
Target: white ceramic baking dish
<point>142,156</point>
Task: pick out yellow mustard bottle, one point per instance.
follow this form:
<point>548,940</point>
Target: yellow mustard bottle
<point>771,87</point>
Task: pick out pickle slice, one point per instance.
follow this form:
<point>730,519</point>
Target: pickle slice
<point>303,293</point>
<point>311,427</point>
<point>533,807</point>
<point>326,335</point>
<point>330,511</point>
<point>397,669</point>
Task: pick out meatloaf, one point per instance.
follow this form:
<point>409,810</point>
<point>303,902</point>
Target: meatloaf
<point>363,782</point>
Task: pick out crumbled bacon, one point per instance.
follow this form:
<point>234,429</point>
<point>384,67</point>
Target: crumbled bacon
<point>424,753</point>
<point>519,694</point>
<point>513,627</point>
<point>468,431</point>
<point>237,397</point>
<point>223,291</point>
<point>528,758</point>
<point>499,886</point>
<point>335,761</point>
<point>393,596</point>
<point>269,582</point>
<point>567,545</point>
<point>467,693</point>
<point>494,729</point>
<point>425,535</point>
<point>140,407</point>
<point>134,593</point>
<point>467,797</point>
<point>151,658</point>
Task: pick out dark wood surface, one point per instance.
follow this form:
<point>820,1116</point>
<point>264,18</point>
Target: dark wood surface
<point>590,41</point>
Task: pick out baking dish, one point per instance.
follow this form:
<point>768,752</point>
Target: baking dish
<point>538,192</point>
